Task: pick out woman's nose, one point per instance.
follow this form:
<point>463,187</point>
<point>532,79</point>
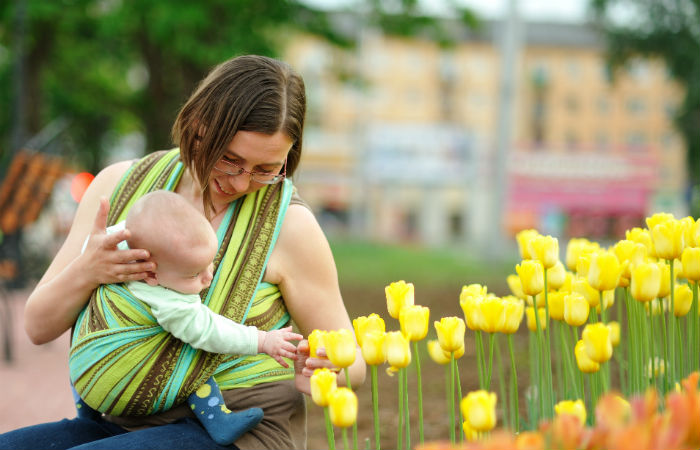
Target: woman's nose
<point>240,182</point>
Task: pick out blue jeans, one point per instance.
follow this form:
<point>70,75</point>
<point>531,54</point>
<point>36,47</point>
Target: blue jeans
<point>88,434</point>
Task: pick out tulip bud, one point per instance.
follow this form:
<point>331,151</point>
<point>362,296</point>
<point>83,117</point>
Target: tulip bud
<point>437,354</point>
<point>398,350</point>
<point>472,311</point>
<point>584,362</point>
<point>575,408</point>
<point>514,309</point>
<point>470,434</point>
<point>343,407</point>
<point>398,294</point>
<point>556,305</point>
<point>645,282</point>
<point>576,309</point>
<point>657,219</point>
<point>690,258</point>
<point>556,276</point>
<point>581,286</point>
<point>450,332</point>
<point>493,314</point>
<point>604,271</point>
<point>414,320</point>
<point>516,287</point>
<point>524,237</point>
<point>479,410</point>
<point>373,347</point>
<point>573,250</point>
<point>683,299</point>
<point>365,324</point>
<point>629,253</point>
<point>667,238</point>
<point>531,275</point>
<point>641,236</point>
<point>614,332</point>
<point>597,339</point>
<point>545,249</point>
<point>665,287</point>
<point>340,347</point>
<point>323,383</point>
<point>532,322</point>
<point>316,341</point>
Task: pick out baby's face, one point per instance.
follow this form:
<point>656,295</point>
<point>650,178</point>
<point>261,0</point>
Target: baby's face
<point>192,272</point>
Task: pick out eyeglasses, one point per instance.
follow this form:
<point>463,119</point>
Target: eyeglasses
<point>232,169</point>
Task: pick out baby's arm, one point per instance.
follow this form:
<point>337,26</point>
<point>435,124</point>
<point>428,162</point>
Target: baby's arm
<point>276,344</point>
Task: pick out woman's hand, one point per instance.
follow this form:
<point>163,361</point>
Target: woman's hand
<point>105,263</point>
<point>305,365</point>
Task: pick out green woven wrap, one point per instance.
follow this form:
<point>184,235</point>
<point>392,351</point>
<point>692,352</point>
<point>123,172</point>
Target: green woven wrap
<point>123,363</point>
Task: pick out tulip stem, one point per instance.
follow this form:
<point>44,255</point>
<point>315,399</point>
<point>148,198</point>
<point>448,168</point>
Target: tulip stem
<point>568,363</point>
<point>375,405</point>
<point>671,364</point>
<point>407,416</point>
<point>480,357</point>
<point>679,338</point>
<point>399,438</point>
<point>631,337</point>
<point>514,387</point>
<point>652,362</point>
<point>329,429</point>
<point>458,382</point>
<point>492,336</point>
<point>666,343</point>
<point>420,392</point>
<point>354,425</point>
<point>344,433</point>
<point>548,351</point>
<point>695,326</point>
<point>452,397</point>
<point>502,383</point>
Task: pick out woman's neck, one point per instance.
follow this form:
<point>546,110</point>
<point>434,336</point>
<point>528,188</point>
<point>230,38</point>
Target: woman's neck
<point>191,190</point>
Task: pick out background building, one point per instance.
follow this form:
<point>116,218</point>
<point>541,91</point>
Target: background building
<point>402,137</point>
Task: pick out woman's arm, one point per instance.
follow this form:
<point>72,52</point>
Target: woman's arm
<point>303,266</point>
<point>60,295</point>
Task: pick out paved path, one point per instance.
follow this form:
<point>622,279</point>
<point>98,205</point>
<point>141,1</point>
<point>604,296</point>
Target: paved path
<point>35,386</point>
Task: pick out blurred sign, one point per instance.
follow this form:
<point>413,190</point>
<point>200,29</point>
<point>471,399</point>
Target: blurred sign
<point>416,153</point>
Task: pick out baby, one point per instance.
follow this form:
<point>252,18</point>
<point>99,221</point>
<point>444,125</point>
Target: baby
<point>183,245</point>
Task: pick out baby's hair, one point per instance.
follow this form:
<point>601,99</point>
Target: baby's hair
<point>163,222</point>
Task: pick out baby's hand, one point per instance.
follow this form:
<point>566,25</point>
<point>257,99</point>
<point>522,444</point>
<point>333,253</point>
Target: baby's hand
<point>276,344</point>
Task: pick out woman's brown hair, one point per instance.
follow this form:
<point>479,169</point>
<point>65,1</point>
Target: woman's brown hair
<point>246,93</point>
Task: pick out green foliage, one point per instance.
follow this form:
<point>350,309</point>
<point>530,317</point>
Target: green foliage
<point>669,30</point>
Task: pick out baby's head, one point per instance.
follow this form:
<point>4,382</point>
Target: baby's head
<point>180,239</point>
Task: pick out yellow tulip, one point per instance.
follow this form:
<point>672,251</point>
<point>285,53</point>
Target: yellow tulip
<point>493,314</point>
<point>604,271</point>
<point>641,236</point>
<point>516,287</point>
<point>343,407</point>
<point>470,434</point>
<point>323,383</point>
<point>472,312</point>
<point>514,310</point>
<point>575,408</point>
<point>366,324</point>
<point>531,275</point>
<point>576,309</point>
<point>629,253</point>
<point>450,332</point>
<point>479,410</point>
<point>472,290</point>
<point>581,286</point>
<point>667,238</point>
<point>538,300</point>
<point>531,322</point>
<point>583,263</point>
<point>665,288</point>
<point>657,219</point>
<point>439,355</point>
<point>696,234</point>
<point>556,305</point>
<point>608,300</point>
<point>398,295</point>
<point>398,350</point>
<point>683,299</point>
<point>545,249</point>
<point>690,258</point>
<point>614,332</point>
<point>556,276</point>
<point>316,341</point>
<point>645,281</point>
<point>414,320</point>
<point>584,362</point>
<point>340,347</point>
<point>524,237</point>
<point>596,336</point>
<point>687,225</point>
<point>373,347</point>
<point>573,250</point>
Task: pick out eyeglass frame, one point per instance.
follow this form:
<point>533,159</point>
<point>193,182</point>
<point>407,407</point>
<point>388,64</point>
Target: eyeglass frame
<point>276,178</point>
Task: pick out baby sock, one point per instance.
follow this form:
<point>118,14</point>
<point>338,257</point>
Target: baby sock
<point>222,424</point>
<point>82,408</point>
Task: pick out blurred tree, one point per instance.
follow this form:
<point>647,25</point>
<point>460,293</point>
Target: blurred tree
<point>668,30</point>
<point>115,66</point>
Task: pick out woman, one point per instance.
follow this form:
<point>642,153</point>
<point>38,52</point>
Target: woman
<point>239,137</point>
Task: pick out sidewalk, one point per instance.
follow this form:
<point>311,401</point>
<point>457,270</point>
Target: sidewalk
<point>35,385</point>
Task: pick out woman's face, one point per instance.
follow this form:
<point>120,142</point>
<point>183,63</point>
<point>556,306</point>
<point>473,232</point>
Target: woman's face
<point>254,152</point>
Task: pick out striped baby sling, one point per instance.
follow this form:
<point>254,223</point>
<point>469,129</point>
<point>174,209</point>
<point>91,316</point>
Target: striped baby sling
<point>123,363</point>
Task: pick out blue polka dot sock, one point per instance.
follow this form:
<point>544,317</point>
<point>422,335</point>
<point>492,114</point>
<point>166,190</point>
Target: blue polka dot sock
<point>223,425</point>
<point>82,408</point>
